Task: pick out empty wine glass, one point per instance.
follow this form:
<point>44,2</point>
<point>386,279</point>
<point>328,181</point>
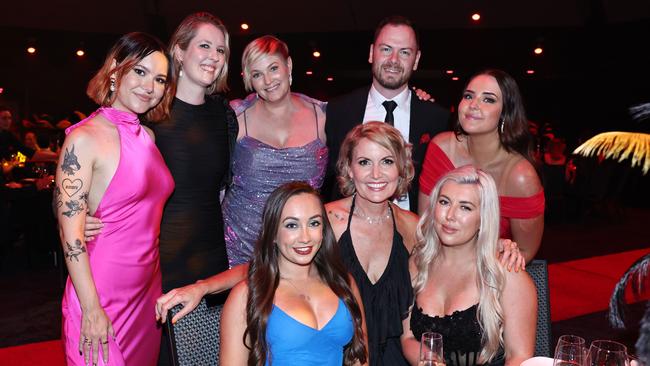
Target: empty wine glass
<point>431,350</point>
<point>607,353</point>
<point>570,351</point>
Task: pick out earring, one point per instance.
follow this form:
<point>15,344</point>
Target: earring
<point>180,73</point>
<point>112,87</point>
<point>290,79</point>
<point>501,127</point>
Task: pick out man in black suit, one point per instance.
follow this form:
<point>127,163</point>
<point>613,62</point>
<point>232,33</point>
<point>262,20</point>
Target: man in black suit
<point>394,56</point>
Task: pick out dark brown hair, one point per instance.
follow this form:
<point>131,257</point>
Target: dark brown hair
<point>264,277</point>
<point>516,136</point>
<point>130,49</point>
<point>186,31</point>
<point>396,20</point>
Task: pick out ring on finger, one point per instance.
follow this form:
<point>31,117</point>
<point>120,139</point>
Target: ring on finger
<point>105,342</point>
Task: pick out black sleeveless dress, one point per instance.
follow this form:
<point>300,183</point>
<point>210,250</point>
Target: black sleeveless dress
<point>461,335</point>
<point>195,143</point>
<point>386,302</point>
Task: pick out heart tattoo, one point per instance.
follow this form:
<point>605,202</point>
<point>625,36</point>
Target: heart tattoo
<point>72,187</point>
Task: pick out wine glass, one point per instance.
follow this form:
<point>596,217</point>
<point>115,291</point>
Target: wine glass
<point>570,351</point>
<point>607,353</point>
<point>431,350</point>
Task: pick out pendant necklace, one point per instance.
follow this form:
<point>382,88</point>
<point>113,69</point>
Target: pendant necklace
<point>300,293</point>
<point>373,220</point>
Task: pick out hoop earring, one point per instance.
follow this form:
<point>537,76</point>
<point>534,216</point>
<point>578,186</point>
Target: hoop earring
<point>112,87</point>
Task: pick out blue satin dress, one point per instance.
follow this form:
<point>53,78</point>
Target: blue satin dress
<point>292,343</point>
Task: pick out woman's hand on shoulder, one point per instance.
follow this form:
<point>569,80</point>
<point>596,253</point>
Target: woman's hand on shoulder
<point>510,256</point>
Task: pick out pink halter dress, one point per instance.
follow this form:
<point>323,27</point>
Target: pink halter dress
<point>124,258</point>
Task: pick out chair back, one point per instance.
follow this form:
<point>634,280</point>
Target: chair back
<point>538,270</point>
<point>194,339</point>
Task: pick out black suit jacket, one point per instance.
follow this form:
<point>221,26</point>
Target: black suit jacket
<point>345,112</point>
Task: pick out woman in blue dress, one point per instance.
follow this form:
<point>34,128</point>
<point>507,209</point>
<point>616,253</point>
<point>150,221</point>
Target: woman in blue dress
<point>299,306</point>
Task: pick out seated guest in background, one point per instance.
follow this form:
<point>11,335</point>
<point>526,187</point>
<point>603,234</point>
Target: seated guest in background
<point>111,168</point>
<point>492,133</point>
<point>9,143</point>
<point>485,315</point>
<point>299,305</point>
<point>281,139</point>
<point>43,146</point>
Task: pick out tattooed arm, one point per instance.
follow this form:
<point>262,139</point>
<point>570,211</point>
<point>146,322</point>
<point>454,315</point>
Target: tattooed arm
<point>73,179</point>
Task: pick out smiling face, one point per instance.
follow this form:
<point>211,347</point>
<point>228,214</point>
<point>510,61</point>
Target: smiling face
<point>300,232</point>
<point>457,213</point>
<point>480,108</point>
<point>269,76</point>
<point>394,56</point>
<point>204,58</point>
<point>142,87</point>
<point>373,171</point>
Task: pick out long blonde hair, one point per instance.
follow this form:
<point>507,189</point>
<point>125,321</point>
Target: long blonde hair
<point>490,274</point>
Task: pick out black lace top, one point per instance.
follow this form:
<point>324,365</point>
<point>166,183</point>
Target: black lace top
<point>386,302</point>
<point>461,335</point>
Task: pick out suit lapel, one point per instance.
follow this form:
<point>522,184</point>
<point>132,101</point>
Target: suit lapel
<point>417,123</point>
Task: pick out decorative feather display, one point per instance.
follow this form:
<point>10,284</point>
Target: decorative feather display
<point>619,145</point>
<point>637,275</point>
<point>641,111</point>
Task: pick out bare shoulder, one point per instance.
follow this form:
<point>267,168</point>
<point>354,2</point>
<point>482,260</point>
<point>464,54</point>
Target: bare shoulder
<point>522,179</point>
<point>407,223</point>
<point>239,294</point>
<point>519,283</point>
<point>338,213</point>
<point>91,134</point>
<point>444,139</point>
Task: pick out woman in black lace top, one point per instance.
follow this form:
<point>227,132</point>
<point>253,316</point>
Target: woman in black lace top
<point>485,314</point>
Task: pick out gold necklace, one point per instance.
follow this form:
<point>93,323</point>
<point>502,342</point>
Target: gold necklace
<point>300,293</point>
<point>373,220</point>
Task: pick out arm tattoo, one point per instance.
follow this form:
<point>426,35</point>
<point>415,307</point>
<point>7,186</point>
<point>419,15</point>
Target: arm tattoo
<point>76,206</point>
<point>70,164</point>
<point>74,251</point>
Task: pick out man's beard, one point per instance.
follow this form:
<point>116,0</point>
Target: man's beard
<point>391,82</point>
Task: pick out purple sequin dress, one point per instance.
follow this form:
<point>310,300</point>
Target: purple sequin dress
<point>258,169</point>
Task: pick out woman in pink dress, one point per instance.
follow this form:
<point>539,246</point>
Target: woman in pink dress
<point>111,168</point>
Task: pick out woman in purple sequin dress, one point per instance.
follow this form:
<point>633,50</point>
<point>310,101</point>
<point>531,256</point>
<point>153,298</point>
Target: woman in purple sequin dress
<point>281,139</point>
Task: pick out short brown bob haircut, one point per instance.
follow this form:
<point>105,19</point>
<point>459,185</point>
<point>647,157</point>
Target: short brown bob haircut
<point>385,136</point>
<point>130,49</point>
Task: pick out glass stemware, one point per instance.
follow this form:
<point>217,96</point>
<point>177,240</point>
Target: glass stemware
<point>431,353</point>
<point>607,353</point>
<point>570,351</point>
